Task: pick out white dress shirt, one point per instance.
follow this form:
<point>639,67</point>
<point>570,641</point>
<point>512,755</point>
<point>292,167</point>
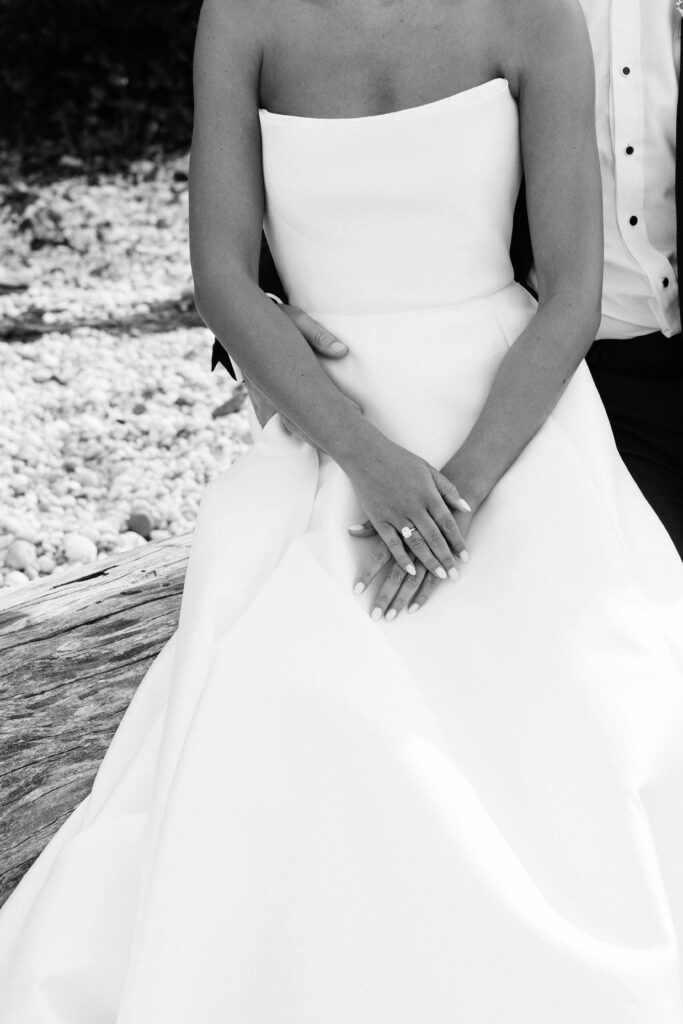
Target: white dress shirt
<point>636,47</point>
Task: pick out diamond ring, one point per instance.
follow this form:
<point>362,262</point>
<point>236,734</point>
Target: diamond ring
<point>408,531</point>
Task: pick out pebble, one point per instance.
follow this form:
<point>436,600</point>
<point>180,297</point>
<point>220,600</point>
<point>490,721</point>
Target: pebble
<point>60,487</point>
<point>142,523</point>
<point>160,535</point>
<point>20,483</point>
<point>41,376</point>
<point>91,532</point>
<point>78,548</point>
<point>87,477</point>
<point>20,554</point>
<point>23,529</point>
<point>46,565</point>
<point>111,525</point>
<point>15,578</point>
<point>90,425</point>
<point>27,452</point>
<point>92,450</point>
<point>129,540</point>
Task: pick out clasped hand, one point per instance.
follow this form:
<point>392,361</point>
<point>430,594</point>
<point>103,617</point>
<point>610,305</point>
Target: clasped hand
<point>410,504</point>
<point>396,588</point>
<point>416,512</point>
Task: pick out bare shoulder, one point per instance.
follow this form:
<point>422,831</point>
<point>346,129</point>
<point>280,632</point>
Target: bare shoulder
<point>229,43</point>
<point>533,35</point>
<point>539,18</point>
<point>239,23</point>
<point>241,13</point>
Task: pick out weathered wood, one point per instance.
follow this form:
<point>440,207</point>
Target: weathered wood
<point>72,652</point>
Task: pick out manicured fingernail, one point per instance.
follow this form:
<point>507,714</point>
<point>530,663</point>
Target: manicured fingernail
<point>464,556</point>
<point>356,527</point>
<point>413,608</point>
<point>391,614</point>
<point>462,504</point>
<point>376,614</point>
<point>411,569</point>
<point>453,573</point>
<point>359,588</point>
<point>337,346</point>
<point>441,572</point>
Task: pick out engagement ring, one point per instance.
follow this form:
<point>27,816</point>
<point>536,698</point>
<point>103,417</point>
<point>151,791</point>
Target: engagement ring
<point>408,531</point>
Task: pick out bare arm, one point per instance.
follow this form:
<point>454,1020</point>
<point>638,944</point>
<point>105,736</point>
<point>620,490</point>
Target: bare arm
<point>547,59</point>
<point>226,214</point>
<point>555,80</point>
<point>393,486</point>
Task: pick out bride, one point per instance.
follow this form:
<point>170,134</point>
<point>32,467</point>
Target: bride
<point>469,814</point>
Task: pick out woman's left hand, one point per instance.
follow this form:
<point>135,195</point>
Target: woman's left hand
<point>397,590</point>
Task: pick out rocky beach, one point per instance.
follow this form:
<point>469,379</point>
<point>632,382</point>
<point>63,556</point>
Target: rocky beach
<point>112,423</point>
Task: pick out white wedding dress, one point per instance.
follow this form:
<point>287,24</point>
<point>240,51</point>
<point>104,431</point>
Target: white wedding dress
<point>473,814</point>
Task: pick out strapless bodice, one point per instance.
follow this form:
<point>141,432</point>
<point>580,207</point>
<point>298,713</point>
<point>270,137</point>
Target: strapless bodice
<point>400,211</point>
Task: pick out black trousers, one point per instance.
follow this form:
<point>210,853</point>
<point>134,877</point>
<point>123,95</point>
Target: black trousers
<point>640,381</point>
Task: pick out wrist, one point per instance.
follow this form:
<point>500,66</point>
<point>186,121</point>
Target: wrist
<point>469,477</point>
<point>351,444</point>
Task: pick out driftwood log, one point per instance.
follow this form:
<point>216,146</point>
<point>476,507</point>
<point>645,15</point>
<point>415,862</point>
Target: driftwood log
<point>72,652</point>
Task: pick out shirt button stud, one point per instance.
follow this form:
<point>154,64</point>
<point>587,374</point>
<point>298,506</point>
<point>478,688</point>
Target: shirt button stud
<point>630,150</point>
<point>633,221</point>
<point>665,282</point>
<point>626,71</point>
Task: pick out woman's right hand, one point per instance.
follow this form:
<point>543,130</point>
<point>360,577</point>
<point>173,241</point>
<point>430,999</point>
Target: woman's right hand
<point>397,490</point>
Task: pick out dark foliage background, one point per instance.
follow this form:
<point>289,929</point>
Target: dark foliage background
<point>97,81</point>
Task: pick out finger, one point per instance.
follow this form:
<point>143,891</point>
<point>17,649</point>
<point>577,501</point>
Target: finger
<point>321,340</point>
<point>387,592</point>
<point>365,529</point>
<point>448,525</point>
<point>429,585</point>
<point>395,545</point>
<point>406,593</point>
<point>377,558</point>
<point>438,545</point>
<point>449,492</point>
<point>423,552</point>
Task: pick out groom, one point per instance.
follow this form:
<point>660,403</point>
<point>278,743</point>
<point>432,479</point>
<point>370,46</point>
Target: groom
<point>637,359</point>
